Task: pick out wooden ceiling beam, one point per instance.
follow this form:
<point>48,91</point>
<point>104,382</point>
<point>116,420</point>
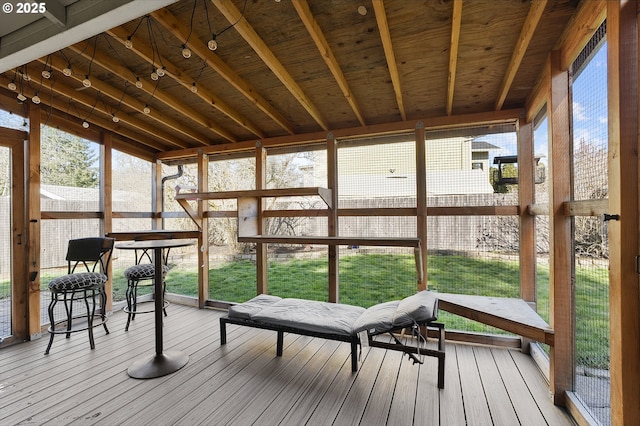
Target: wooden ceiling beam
<point>587,19</point>
<point>57,104</point>
<point>106,62</point>
<point>456,20</point>
<point>171,23</point>
<point>144,51</point>
<point>485,119</point>
<point>91,101</point>
<point>247,32</point>
<point>117,95</point>
<point>120,142</point>
<point>526,34</point>
<point>302,7</point>
<point>13,134</point>
<point>385,35</point>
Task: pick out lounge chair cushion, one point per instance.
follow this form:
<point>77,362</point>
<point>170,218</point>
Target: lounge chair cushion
<point>321,317</point>
<point>335,318</point>
<point>417,309</point>
<point>420,308</point>
<point>376,319</point>
<point>247,309</point>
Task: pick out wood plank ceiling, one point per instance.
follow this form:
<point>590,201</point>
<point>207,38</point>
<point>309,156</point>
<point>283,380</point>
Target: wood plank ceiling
<point>293,67</point>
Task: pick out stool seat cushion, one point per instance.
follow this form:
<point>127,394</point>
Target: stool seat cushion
<point>143,271</point>
<point>79,281</point>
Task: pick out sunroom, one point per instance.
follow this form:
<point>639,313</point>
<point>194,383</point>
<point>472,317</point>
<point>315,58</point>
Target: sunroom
<point>343,152</point>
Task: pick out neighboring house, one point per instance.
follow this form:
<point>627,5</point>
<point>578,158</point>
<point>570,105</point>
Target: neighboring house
<point>90,196</point>
<point>455,166</point>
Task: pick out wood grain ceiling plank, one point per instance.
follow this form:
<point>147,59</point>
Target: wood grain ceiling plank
<point>302,7</point>
<point>144,51</point>
<point>179,30</point>
<point>106,62</point>
<point>247,32</point>
<point>526,34</point>
<point>456,20</point>
<point>385,35</point>
<point>117,95</point>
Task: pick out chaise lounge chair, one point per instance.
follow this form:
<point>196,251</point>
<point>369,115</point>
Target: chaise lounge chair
<point>344,323</point>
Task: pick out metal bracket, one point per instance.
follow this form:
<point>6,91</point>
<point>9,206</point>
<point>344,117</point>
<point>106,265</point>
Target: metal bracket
<point>608,217</point>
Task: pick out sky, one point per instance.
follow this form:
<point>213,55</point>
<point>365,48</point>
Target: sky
<point>589,106</point>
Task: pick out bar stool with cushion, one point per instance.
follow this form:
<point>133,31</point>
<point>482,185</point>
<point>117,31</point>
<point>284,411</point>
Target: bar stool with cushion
<point>142,275</point>
<point>87,273</point>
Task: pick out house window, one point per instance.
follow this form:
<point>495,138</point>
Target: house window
<point>477,166</point>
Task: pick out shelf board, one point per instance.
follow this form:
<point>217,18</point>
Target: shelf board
<point>332,241</point>
<point>324,193</point>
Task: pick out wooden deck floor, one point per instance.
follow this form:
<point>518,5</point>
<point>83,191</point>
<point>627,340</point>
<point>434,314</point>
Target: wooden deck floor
<point>244,383</point>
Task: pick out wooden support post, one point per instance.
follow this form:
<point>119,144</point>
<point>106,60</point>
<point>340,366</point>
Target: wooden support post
<point>156,195</point>
<point>19,234</point>
<point>624,240</point>
<point>203,238</point>
<point>34,215</point>
<point>526,195</point>
<point>421,199</point>
<point>332,219</point>
<point>561,299</point>
<point>262,276</point>
<point>106,201</point>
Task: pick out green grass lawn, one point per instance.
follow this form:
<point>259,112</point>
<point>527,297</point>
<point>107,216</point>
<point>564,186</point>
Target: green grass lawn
<point>367,279</point>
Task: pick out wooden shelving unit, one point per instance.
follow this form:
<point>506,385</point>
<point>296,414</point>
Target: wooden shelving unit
<point>249,215</point>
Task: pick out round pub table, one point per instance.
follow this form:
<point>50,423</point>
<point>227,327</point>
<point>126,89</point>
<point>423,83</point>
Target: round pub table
<point>163,362</point>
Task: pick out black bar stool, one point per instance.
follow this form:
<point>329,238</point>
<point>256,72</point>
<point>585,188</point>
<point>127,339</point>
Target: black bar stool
<point>92,256</point>
<point>142,275</point>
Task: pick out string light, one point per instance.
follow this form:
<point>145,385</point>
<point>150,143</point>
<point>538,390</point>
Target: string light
<point>46,71</point>
<point>12,86</point>
<point>21,97</point>
<point>86,82</point>
<point>161,72</point>
<point>212,44</point>
<point>128,43</point>
<point>114,118</point>
<point>85,124</point>
<point>35,99</point>
<point>67,71</point>
<point>138,83</point>
<point>154,75</point>
<point>146,109</point>
<point>186,52</point>
<point>194,88</point>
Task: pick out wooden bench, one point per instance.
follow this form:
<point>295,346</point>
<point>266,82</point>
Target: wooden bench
<point>509,314</point>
